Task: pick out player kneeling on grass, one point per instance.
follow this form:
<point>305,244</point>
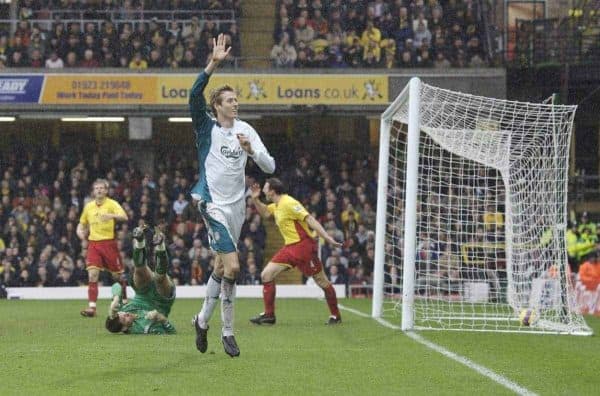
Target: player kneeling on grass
<point>300,250</point>
<point>154,292</point>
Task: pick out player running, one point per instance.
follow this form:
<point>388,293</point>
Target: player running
<point>224,145</point>
<point>300,250</point>
<point>97,224</point>
<point>147,313</point>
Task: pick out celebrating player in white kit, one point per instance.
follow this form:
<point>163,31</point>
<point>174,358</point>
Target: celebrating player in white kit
<point>223,145</point>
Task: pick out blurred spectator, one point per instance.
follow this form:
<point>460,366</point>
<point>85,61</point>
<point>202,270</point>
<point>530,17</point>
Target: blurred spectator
<point>138,62</point>
<point>589,273</point>
<point>283,54</point>
<point>250,275</point>
<point>335,276</point>
<point>441,61</point>
<point>54,62</point>
<point>89,60</point>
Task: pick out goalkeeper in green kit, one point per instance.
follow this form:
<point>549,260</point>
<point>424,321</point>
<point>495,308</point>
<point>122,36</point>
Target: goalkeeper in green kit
<point>147,313</point>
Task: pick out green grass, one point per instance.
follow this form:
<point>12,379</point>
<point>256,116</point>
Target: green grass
<point>47,348</point>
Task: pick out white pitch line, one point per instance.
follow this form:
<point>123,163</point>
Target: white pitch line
<point>499,379</point>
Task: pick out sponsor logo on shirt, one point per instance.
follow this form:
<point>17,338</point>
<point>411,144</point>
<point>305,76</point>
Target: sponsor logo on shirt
<point>231,153</point>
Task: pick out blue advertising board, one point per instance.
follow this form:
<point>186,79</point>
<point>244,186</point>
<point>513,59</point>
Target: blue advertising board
<point>20,88</point>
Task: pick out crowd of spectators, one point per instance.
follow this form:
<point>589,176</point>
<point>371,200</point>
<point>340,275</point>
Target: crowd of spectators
<point>85,36</point>
<point>178,33</point>
<point>378,33</point>
<point>43,194</point>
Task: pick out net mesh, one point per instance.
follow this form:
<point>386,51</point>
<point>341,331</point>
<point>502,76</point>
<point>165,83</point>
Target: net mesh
<point>491,213</point>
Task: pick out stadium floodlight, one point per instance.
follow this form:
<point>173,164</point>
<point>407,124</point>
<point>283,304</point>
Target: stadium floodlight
<point>471,214</point>
<point>180,119</point>
<point>92,119</point>
<point>7,119</point>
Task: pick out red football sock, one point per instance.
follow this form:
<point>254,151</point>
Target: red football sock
<point>93,294</point>
<point>269,298</point>
<point>331,298</point>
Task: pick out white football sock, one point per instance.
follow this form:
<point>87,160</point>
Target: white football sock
<point>213,289</point>
<point>228,291</point>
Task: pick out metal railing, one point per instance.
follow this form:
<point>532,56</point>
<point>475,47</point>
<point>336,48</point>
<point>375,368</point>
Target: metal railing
<point>584,188</point>
<point>547,41</point>
<point>120,14</point>
<point>47,19</point>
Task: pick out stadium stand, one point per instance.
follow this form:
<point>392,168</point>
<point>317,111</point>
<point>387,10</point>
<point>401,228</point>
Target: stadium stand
<point>381,33</point>
<point>43,195</point>
<point>137,35</point>
<point>573,38</point>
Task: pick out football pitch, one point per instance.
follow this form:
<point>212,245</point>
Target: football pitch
<point>47,348</point>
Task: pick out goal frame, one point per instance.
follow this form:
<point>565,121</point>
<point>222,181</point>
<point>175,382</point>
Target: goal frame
<point>411,93</point>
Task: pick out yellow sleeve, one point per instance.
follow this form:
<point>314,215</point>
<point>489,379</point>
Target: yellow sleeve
<point>115,208</point>
<point>83,219</point>
<point>295,210</point>
<point>271,208</point>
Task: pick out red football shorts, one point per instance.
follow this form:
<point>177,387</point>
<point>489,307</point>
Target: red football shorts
<point>104,255</point>
<point>302,255</point>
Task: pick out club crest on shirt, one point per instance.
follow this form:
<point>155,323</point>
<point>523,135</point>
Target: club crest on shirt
<point>231,153</point>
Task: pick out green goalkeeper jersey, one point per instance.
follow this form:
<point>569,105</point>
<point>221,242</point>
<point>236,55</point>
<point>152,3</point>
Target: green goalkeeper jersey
<point>143,303</point>
<point>148,298</point>
<point>145,326</point>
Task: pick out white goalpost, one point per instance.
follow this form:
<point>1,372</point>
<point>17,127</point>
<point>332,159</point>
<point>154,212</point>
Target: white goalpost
<point>471,214</point>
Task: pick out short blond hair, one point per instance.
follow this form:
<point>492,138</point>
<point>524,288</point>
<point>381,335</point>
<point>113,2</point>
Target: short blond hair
<point>101,181</point>
<point>215,96</point>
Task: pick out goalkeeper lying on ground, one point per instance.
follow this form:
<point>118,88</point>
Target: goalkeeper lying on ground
<point>154,292</point>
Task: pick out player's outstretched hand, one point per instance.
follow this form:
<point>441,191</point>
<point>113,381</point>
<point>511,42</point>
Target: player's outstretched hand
<point>219,51</point>
<point>255,191</point>
<point>333,242</point>
<point>114,307</point>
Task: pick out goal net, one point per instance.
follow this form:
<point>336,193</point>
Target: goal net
<point>472,209</point>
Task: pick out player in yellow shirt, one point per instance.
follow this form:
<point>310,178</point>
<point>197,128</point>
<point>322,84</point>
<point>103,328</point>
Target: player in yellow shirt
<point>97,225</point>
<point>300,250</point>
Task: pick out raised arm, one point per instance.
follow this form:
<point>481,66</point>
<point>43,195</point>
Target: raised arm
<point>315,225</point>
<point>115,304</point>
<point>197,102</point>
<point>261,207</point>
